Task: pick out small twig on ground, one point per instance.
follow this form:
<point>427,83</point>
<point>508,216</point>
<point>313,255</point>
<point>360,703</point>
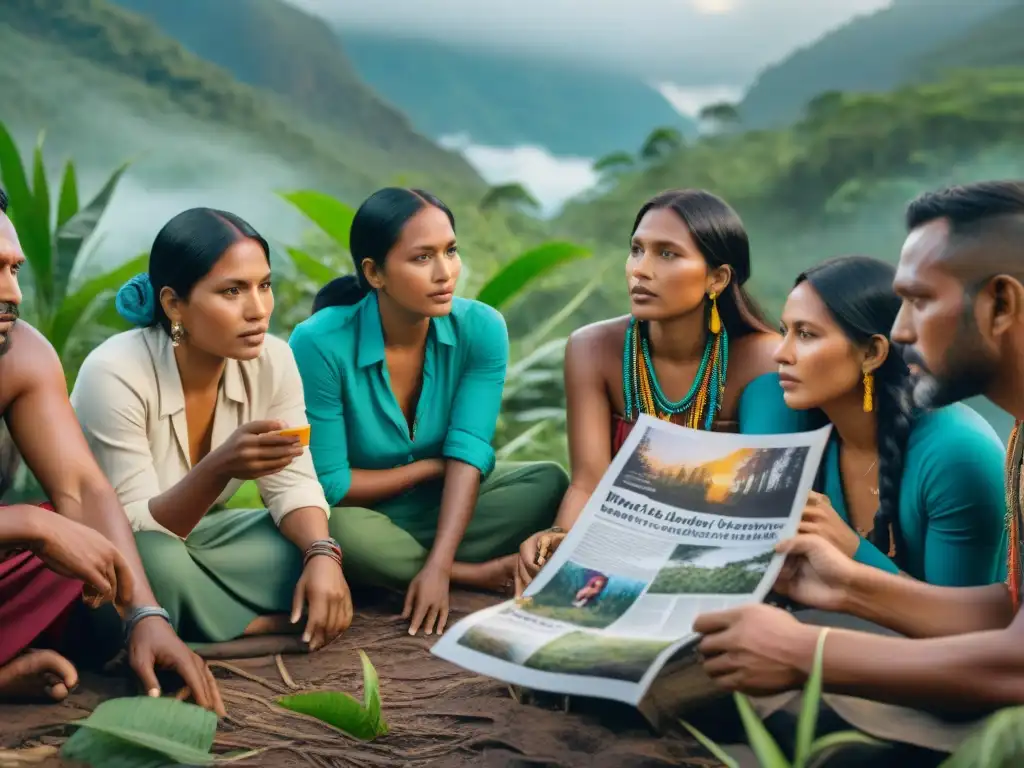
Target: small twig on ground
<point>283,670</point>
<point>246,675</point>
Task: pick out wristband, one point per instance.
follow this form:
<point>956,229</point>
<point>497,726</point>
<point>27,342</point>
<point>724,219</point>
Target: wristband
<point>143,612</point>
<point>326,547</point>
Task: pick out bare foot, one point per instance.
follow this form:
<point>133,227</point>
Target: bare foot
<point>37,675</point>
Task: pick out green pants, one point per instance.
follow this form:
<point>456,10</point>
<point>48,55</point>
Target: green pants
<point>516,500</point>
<point>236,565</point>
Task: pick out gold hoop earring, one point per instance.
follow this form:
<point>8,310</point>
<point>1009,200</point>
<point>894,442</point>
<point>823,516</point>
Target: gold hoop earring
<point>177,334</point>
<point>715,325</point>
<point>869,393</point>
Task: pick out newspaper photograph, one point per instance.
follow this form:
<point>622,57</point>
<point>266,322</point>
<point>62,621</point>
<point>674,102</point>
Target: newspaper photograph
<point>682,523</point>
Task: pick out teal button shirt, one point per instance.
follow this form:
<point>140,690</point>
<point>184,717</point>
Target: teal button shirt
<point>355,420</point>
<point>952,506</point>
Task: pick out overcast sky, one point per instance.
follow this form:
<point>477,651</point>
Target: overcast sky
<point>688,42</point>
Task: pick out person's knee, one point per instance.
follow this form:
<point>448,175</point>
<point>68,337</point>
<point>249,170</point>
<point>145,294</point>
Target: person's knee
<point>375,552</point>
<point>168,565</point>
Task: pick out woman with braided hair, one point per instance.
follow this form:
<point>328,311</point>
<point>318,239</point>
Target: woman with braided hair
<point>898,489</point>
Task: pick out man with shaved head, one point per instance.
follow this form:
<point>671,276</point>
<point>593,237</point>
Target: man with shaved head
<point>961,278</point>
<point>80,548</point>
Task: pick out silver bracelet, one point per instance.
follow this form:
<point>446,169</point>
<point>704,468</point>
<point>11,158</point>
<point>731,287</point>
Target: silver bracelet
<point>138,614</point>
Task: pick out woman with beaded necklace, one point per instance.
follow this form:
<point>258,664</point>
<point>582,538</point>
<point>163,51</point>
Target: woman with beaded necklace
<point>695,349</point>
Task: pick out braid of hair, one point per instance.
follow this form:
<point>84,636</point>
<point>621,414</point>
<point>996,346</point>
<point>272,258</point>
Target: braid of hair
<point>896,416</point>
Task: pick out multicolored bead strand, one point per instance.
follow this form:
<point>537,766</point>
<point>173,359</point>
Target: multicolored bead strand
<point>642,393</point>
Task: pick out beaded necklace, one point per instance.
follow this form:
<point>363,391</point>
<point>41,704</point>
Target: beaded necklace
<point>641,392</point>
<point>1014,456</point>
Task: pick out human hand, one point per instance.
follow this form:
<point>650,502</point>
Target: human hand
<point>815,573</point>
<point>154,645</point>
<point>324,592</point>
<point>78,552</point>
<point>426,600</point>
<point>756,649</point>
<point>256,450</point>
<point>820,518</point>
<point>533,554</point>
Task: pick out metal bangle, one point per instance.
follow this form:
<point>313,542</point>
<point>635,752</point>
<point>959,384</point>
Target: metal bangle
<point>138,614</point>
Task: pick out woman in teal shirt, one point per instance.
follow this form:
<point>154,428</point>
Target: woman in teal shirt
<point>904,491</point>
<point>403,384</point>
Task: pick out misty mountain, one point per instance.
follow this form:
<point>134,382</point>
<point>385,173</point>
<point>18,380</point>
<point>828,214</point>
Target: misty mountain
<point>874,52</point>
<point>500,99</point>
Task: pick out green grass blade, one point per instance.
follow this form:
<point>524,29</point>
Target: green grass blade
<point>821,747</point>
<point>716,751</point>
<point>328,213</point>
<point>512,279</point>
<point>764,746</point>
<point>999,743</point>
<point>67,206</point>
<point>170,728</point>
<point>808,722</point>
<point>371,695</point>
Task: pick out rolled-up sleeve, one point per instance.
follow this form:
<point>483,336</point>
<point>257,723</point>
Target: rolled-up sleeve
<point>321,387</point>
<point>478,395</point>
<point>296,486</point>
<point>112,413</point>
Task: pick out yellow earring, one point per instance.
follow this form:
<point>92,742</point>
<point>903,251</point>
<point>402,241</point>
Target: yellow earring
<point>716,322</point>
<point>869,393</point>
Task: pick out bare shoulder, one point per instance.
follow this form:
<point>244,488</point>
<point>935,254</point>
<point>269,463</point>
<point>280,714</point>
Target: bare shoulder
<point>598,342</point>
<point>30,362</point>
<point>751,356</point>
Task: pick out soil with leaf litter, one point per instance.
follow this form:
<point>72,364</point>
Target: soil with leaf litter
<point>438,714</point>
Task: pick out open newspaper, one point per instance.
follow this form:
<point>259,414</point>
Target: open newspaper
<point>683,522</point>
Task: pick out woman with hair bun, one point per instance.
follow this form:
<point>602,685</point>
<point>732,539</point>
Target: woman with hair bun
<point>403,385</point>
<point>183,409</point>
<point>898,489</point>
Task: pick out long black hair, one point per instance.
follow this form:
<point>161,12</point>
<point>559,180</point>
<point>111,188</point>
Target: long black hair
<point>376,227</point>
<point>857,290</point>
<point>722,240</point>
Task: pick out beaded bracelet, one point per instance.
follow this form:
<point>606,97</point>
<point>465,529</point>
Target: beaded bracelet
<point>327,547</point>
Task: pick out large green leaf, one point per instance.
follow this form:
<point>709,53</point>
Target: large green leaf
<point>68,204</point>
<point>75,305</point>
<point>43,258</point>
<point>73,235</point>
<point>141,728</point>
<point>310,267</point>
<point>514,277</point>
<point>328,213</point>
<point>33,233</point>
<point>363,721</point>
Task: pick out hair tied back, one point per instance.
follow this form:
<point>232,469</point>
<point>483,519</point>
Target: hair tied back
<point>135,301</point>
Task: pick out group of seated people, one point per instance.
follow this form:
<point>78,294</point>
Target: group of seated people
<point>401,383</point>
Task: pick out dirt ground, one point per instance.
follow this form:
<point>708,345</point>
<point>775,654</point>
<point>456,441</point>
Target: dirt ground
<point>439,715</point>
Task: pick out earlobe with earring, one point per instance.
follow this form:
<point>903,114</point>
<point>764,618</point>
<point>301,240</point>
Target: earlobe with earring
<point>869,393</point>
<point>715,324</point>
<point>177,334</point>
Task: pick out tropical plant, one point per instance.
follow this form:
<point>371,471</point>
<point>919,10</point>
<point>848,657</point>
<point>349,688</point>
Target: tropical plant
<point>64,304</point>
<point>613,162</point>
<point>721,116</point>
<point>808,751</point>
<point>660,143</point>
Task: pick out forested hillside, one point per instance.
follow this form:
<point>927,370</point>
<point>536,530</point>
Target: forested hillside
<point>874,52</point>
